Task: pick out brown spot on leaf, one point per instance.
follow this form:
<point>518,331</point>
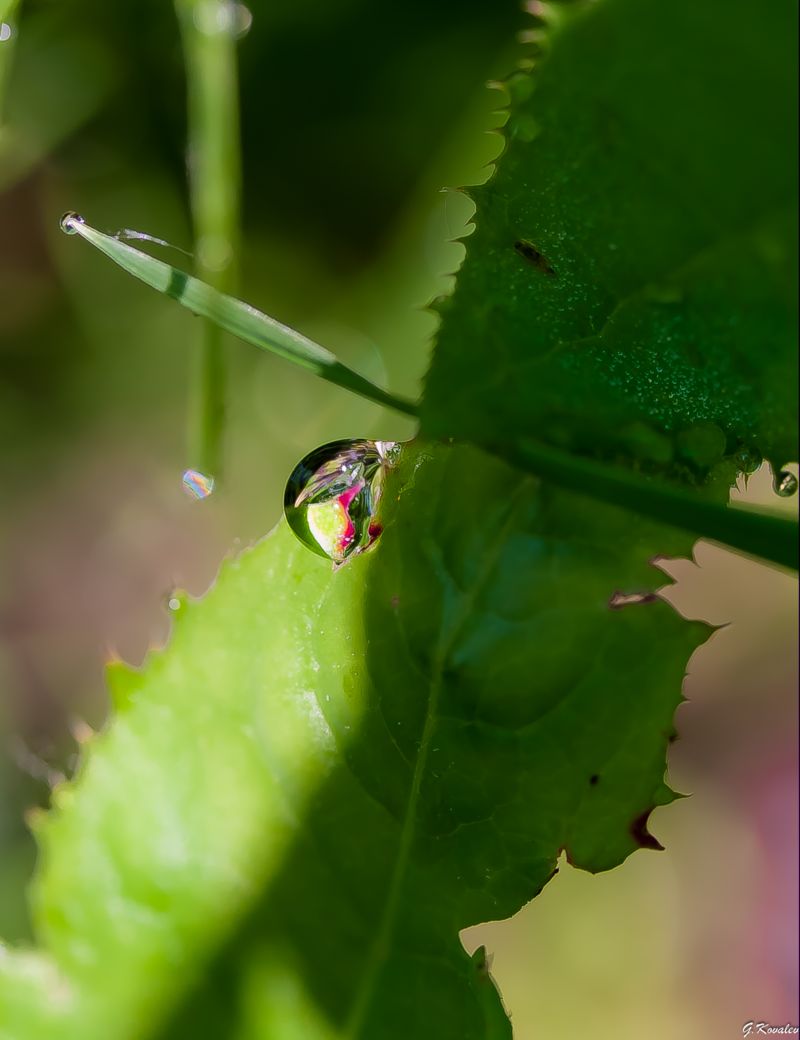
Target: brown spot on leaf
<point>641,835</point>
<point>528,251</point>
<point>482,961</point>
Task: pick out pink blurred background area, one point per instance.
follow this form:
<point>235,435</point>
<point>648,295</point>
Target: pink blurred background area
<point>705,933</point>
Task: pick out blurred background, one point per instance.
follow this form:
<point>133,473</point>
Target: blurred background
<point>354,117</point>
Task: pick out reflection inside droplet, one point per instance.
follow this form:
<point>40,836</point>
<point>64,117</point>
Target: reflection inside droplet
<point>6,32</point>
<point>197,484</point>
<point>747,460</point>
<point>332,497</point>
<point>68,222</point>
<point>785,483</point>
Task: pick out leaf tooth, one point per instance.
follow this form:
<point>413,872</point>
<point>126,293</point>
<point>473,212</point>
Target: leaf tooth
<point>81,732</point>
<point>62,796</point>
<point>641,835</point>
<point>516,88</point>
<point>122,681</point>
<point>36,821</point>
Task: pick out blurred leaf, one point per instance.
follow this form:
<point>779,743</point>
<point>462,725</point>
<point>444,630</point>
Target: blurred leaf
<point>327,775</point>
<point>63,75</point>
<point>359,98</point>
<point>629,290</point>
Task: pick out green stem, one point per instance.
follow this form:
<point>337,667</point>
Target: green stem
<point>209,43</point>
<point>769,537</point>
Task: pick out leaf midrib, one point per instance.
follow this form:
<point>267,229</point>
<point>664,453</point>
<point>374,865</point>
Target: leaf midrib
<point>448,636</point>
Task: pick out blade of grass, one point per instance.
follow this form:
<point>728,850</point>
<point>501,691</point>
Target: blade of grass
<point>235,316</point>
<point>209,45</point>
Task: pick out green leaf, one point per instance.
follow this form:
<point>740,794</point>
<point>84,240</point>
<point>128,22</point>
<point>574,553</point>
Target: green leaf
<point>328,774</point>
<point>629,290</point>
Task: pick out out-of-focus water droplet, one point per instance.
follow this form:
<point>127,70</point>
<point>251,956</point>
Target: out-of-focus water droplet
<point>703,443</point>
<point>243,19</point>
<point>646,443</point>
<point>747,460</point>
<point>174,603</point>
<point>215,17</point>
<point>68,222</point>
<point>525,127</point>
<point>197,484</point>
<point>6,32</point>
<point>785,483</point>
<point>332,497</point>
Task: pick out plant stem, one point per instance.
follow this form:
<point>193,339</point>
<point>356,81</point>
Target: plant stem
<point>769,537</point>
<point>209,43</point>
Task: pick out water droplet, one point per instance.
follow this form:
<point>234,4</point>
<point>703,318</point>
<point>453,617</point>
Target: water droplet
<point>785,484</point>
<point>215,252</point>
<point>197,484</point>
<point>646,443</point>
<point>6,32</point>
<point>243,19</point>
<point>519,86</point>
<point>332,497</point>
<point>525,127</point>
<point>217,17</point>
<point>68,222</point>
<point>747,460</point>
<point>703,443</point>
<point>174,603</point>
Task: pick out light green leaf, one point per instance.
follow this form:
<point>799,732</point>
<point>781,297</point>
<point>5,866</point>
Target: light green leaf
<point>328,774</point>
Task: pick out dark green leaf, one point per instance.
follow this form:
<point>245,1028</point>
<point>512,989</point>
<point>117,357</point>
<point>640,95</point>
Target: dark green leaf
<point>629,290</point>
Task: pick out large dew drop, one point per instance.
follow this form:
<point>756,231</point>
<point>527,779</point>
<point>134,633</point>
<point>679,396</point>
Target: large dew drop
<point>785,483</point>
<point>332,497</point>
<point>68,222</point>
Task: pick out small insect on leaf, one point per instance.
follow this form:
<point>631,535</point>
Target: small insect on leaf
<point>528,251</point>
